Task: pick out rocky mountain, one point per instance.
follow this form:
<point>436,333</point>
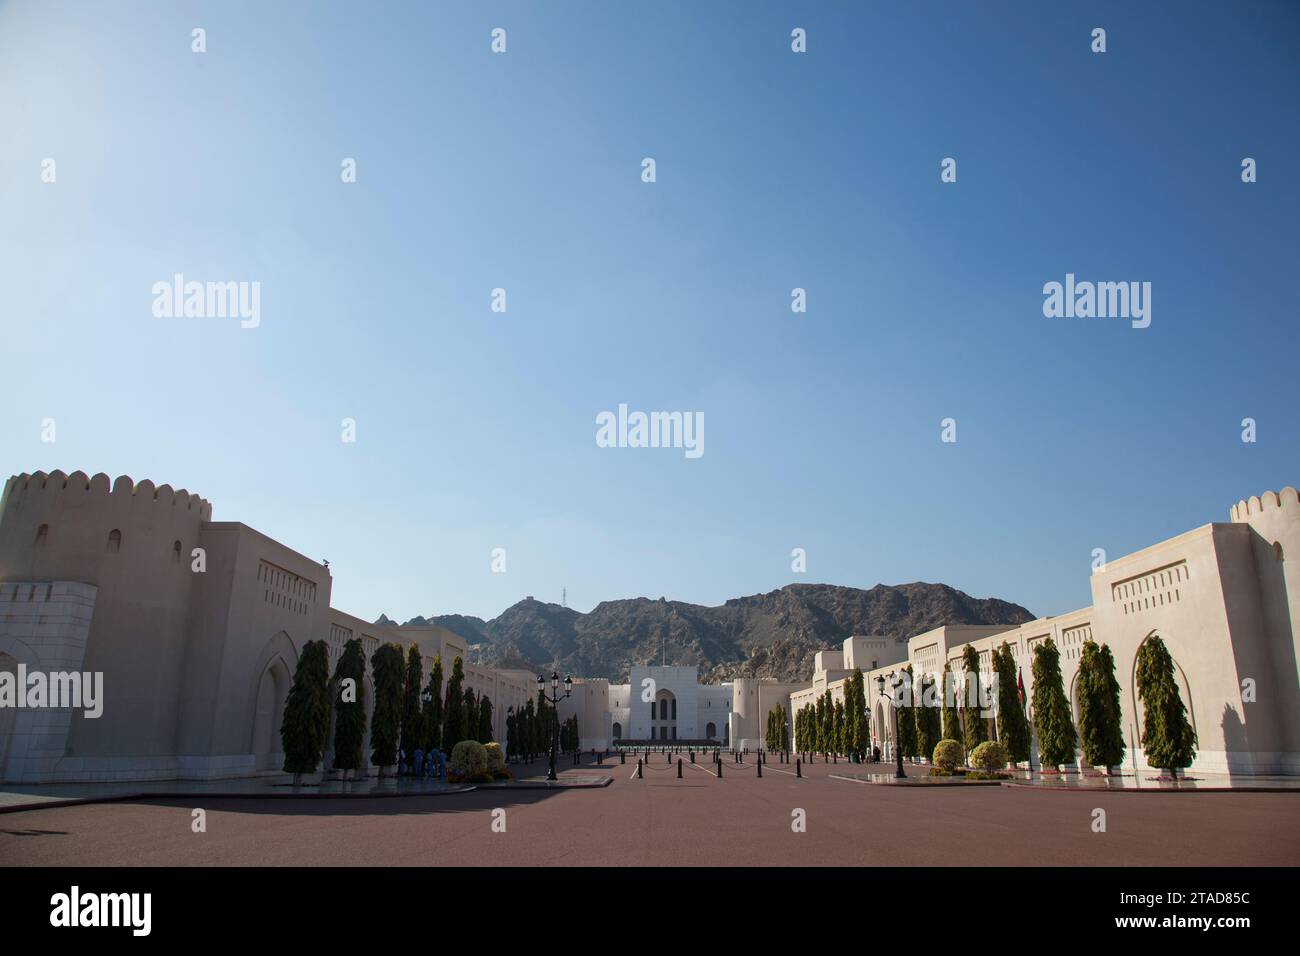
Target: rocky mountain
<point>764,635</point>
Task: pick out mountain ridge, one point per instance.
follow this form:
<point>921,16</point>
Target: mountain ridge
<point>773,634</point>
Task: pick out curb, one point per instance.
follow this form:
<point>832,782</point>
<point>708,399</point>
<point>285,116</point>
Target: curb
<point>1107,790</point>
<point>213,795</point>
<point>938,782</point>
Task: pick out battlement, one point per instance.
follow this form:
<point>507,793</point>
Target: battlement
<point>1287,500</point>
<point>31,489</point>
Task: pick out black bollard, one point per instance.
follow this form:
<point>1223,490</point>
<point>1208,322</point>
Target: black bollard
<point>719,769</point>
<point>692,756</point>
<point>679,768</point>
<point>622,756</point>
<point>835,758</point>
<point>599,758</point>
<point>638,768</point>
<point>798,767</point>
<point>760,768</point>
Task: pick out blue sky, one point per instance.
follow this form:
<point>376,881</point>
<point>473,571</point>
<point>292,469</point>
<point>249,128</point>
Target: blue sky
<point>476,430</point>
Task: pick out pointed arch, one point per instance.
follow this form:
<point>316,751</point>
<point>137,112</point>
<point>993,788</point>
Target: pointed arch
<point>272,677</point>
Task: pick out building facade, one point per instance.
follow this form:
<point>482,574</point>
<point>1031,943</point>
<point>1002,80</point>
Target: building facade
<point>1225,600</point>
<point>195,624</point>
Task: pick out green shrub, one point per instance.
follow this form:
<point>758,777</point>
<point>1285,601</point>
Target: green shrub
<point>468,759</point>
<point>947,755</point>
<point>496,760</point>
<point>989,756</point>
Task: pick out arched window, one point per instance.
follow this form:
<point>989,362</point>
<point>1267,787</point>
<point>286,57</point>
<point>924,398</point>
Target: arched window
<point>663,709</point>
<point>618,731</point>
<point>42,533</point>
<point>115,541</point>
<point>710,731</point>
<point>176,552</point>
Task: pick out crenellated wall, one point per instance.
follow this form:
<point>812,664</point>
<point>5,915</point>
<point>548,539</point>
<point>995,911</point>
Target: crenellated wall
<point>58,526</point>
<point>132,541</point>
<point>1273,520</point>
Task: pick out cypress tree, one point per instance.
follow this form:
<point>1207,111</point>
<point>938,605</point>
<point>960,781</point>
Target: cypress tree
<point>350,701</point>
<point>854,706</point>
<point>907,742</point>
<point>546,723</point>
<point>485,720</point>
<point>819,716</point>
<point>973,720</point>
<point>471,714</point>
<point>412,729</point>
<point>951,716</point>
<point>433,710</point>
<point>1168,740</point>
<point>528,731</point>
<point>927,718</point>
<point>1056,735</point>
<point>307,712</point>
<point>1101,734</point>
<point>453,728</point>
<point>1011,713</point>
<point>511,741</point>
<point>839,734</point>
<point>387,673</point>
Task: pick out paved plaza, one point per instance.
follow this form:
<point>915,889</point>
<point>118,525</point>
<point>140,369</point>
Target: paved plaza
<point>699,819</point>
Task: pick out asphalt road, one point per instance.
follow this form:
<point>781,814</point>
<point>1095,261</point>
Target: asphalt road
<point>663,821</point>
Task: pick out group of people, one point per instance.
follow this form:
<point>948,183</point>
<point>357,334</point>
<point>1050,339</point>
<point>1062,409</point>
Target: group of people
<point>434,764</point>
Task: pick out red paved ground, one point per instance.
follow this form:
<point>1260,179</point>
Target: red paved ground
<point>660,820</point>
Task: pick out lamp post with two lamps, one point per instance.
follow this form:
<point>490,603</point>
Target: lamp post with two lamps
<point>554,697</point>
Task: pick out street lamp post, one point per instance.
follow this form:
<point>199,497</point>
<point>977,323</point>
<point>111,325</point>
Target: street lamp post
<point>554,697</point>
<point>898,752</point>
